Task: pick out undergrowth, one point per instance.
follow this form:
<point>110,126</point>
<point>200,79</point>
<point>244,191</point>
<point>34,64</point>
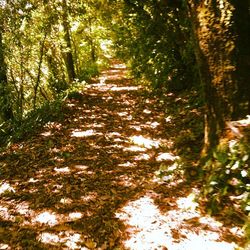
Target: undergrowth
<point>227,176</point>
<point>49,111</point>
<point>15,130</point>
<point>224,179</point>
<point>226,188</point>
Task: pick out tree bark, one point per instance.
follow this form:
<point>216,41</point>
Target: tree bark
<point>6,109</point>
<point>69,61</point>
<point>214,44</point>
<point>241,28</point>
<point>40,62</point>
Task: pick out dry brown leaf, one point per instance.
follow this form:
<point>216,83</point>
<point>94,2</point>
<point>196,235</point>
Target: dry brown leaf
<point>62,228</point>
<point>113,191</point>
<point>90,244</point>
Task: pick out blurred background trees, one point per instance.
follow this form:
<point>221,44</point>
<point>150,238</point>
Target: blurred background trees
<point>46,46</point>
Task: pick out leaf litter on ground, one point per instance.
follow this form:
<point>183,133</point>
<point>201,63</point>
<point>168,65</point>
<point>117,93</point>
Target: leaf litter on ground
<point>89,182</point>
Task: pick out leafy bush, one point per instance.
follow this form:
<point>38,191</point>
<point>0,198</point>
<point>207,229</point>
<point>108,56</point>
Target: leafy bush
<point>35,119</point>
<point>50,111</point>
<point>90,70</point>
<point>228,175</point>
<point>227,179</point>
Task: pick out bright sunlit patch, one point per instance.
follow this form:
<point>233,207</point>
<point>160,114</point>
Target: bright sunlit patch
<point>95,125</point>
<point>112,71</point>
<point>4,246</point>
<point>142,157</point>
<point>136,210</point>
<point>90,196</point>
<point>23,208</point>
<point>154,124</point>
<point>128,88</point>
<point>32,180</point>
<point>66,201</point>
<point>118,140</point>
<point>127,164</point>
<point>119,66</point>
<point>137,128</point>
<point>168,119</point>
<point>62,170</point>
<point>73,240</point>
<point>74,26</point>
<point>113,134</point>
<point>149,228</point>
<point>70,104</point>
<point>187,203</point>
<point>86,133</point>
<point>46,218</point>
<point>203,241</point>
<point>135,149</point>
<point>145,142</point>
<point>69,239</point>
<point>144,220</point>
<point>146,111</point>
<point>81,167</point>
<point>122,113</point>
<point>54,125</point>
<point>103,80</point>
<point>211,222</point>
<point>101,85</point>
<point>129,118</point>
<point>54,150</point>
<point>237,231</point>
<point>75,216</point>
<point>6,187</point>
<point>6,214</point>
<point>166,157</point>
<point>126,181</point>
<point>58,159</point>
<point>48,133</point>
<point>49,238</point>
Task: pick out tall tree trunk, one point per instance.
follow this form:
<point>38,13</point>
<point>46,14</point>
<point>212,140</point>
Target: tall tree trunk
<point>6,108</point>
<point>40,62</point>
<point>69,61</point>
<point>242,58</point>
<point>92,43</point>
<point>214,47</point>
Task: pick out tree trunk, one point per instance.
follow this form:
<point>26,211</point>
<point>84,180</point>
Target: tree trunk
<point>69,61</point>
<point>215,46</point>
<point>40,62</point>
<point>6,108</point>
<point>91,42</point>
<point>242,58</point>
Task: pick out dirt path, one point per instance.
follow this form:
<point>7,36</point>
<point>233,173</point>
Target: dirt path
<point>89,182</point>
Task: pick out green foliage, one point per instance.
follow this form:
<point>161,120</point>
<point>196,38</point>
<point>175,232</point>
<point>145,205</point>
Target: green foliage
<point>88,71</point>
<point>32,121</point>
<point>18,129</point>
<point>37,47</point>
<point>57,86</point>
<point>227,176</point>
<point>169,172</point>
<point>157,43</point>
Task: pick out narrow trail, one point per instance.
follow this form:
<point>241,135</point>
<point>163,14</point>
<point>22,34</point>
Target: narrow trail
<point>89,182</point>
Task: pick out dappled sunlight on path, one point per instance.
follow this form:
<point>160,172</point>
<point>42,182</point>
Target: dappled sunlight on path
<point>149,228</point>
<point>88,182</point>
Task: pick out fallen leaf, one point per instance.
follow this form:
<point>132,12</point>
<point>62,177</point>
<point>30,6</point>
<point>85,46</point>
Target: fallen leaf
<point>90,244</point>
